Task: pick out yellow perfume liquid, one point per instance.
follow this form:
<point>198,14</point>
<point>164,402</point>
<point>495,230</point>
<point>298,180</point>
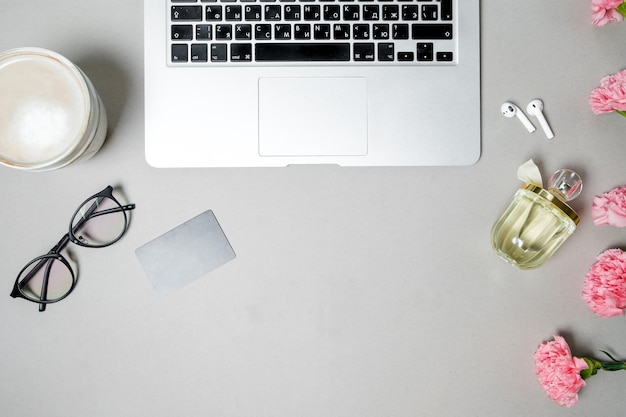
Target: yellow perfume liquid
<point>537,222</point>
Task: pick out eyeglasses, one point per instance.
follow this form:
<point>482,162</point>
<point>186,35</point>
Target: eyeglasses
<point>98,222</point>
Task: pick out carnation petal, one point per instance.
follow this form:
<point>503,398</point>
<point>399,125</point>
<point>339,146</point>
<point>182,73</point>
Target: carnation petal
<point>604,12</point>
<point>604,288</point>
<point>610,208</point>
<point>611,95</point>
<point>615,218</point>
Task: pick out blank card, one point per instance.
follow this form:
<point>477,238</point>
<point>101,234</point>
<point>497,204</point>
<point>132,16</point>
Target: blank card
<point>185,253</point>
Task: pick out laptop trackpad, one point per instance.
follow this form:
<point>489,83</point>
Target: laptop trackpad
<point>312,116</point>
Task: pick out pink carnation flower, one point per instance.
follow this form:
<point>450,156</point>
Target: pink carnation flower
<point>610,208</point>
<point>611,95</point>
<point>605,11</point>
<point>558,371</point>
<point>604,289</point>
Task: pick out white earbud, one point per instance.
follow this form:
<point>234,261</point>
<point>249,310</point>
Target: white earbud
<point>535,108</point>
<point>510,110</point>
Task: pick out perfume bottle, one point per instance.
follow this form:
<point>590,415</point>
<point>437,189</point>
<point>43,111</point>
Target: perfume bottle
<point>537,221</point>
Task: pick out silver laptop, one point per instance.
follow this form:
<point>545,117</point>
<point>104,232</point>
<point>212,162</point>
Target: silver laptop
<point>262,83</point>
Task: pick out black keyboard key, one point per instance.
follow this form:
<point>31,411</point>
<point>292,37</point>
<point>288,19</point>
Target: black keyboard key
<point>302,31</point>
<point>341,31</point>
<point>410,12</point>
<point>186,13</point>
<point>385,52</point>
<point>180,53</point>
<point>282,31</point>
<point>331,12</point>
<point>292,12</point>
<point>363,52</point>
<point>263,31</point>
<point>361,31</point>
<point>312,12</point>
<point>273,12</point>
<point>224,32</point>
<point>431,31</point>
<point>182,32</point>
<point>371,12</point>
<point>391,12</point>
<point>219,52</point>
<point>446,9</point>
<point>243,32</point>
<point>199,52</point>
<point>400,31</point>
<point>214,13</point>
<point>405,56</point>
<point>445,56</point>
<point>351,12</point>
<point>321,31</point>
<point>204,32</point>
<point>252,12</point>
<point>430,12</point>
<point>298,52</point>
<point>233,12</point>
<point>425,51</point>
<point>241,52</point>
<point>381,31</point>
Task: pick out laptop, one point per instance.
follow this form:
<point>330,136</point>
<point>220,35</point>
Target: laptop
<point>273,83</point>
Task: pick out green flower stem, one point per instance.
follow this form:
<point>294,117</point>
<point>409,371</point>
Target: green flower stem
<point>595,365</point>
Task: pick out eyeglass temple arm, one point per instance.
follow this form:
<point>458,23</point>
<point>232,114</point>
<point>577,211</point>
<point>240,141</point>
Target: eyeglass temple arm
<point>44,286</point>
<point>126,207</point>
<point>87,214</point>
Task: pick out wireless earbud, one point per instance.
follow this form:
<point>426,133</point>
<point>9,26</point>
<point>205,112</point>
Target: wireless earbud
<point>535,108</point>
<point>510,110</point>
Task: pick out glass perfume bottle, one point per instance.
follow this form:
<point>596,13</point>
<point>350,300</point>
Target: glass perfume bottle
<point>537,221</point>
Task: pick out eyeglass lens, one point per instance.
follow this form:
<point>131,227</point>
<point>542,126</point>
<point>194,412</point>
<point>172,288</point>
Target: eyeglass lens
<point>32,279</point>
<point>99,221</point>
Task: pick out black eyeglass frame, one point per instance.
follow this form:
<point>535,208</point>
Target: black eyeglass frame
<point>55,253</point>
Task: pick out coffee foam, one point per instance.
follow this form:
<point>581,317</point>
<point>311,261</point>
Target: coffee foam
<point>44,109</point>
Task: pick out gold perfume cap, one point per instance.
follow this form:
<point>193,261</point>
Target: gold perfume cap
<point>554,199</point>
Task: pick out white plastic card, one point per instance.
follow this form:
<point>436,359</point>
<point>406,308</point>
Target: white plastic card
<point>185,253</point>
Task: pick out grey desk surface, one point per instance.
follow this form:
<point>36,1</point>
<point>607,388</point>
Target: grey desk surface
<point>355,292</point>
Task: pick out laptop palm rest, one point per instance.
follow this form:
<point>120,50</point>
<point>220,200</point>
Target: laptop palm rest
<point>313,116</point>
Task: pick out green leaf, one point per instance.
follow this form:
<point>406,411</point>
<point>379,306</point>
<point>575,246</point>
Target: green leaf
<point>622,112</point>
<point>609,355</point>
<point>622,9</point>
<point>612,366</point>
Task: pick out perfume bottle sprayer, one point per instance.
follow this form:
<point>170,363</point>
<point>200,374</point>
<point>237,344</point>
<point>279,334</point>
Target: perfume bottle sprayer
<point>538,220</point>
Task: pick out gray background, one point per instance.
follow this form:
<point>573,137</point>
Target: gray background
<point>355,292</point>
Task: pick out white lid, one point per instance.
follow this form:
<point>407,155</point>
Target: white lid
<point>44,108</point>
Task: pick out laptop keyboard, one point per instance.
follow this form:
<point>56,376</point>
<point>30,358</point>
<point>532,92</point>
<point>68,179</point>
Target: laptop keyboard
<point>302,32</point>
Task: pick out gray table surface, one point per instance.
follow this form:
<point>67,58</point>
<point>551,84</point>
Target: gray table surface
<point>355,292</point>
